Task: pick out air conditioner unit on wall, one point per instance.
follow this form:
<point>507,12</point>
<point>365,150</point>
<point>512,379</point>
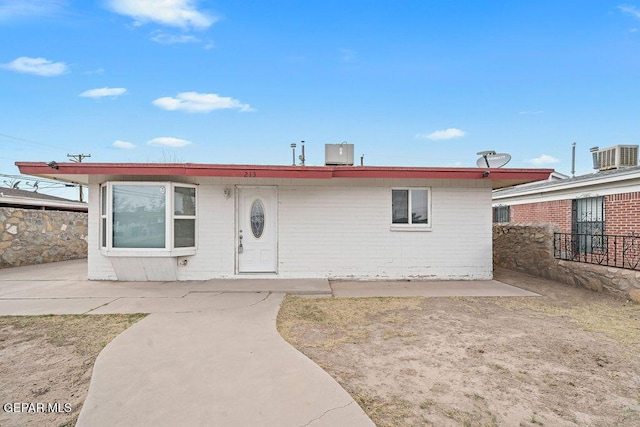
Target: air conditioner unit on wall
<point>618,156</point>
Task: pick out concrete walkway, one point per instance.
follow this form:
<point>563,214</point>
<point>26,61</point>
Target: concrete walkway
<point>209,352</point>
<point>224,365</point>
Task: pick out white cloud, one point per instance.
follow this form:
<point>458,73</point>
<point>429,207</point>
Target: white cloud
<point>123,144</point>
<point>194,102</point>
<point>103,91</point>
<point>21,8</point>
<point>443,134</point>
<point>630,10</point>
<point>37,66</point>
<point>167,141</point>
<point>173,13</point>
<point>164,38</point>
<point>543,160</point>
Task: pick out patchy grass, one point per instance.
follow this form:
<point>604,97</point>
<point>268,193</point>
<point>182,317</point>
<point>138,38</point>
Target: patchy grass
<point>49,359</point>
<point>566,358</point>
<point>343,320</point>
<point>617,320</point>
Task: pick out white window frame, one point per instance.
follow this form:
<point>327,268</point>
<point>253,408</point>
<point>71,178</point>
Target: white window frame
<point>410,226</point>
<point>169,250</point>
<point>102,228</point>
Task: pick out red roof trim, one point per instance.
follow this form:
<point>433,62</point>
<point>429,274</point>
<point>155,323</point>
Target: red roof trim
<point>262,171</point>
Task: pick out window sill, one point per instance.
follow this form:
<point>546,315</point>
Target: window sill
<point>400,227</point>
<point>148,252</point>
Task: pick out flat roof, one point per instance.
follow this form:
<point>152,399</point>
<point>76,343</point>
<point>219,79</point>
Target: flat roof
<point>607,177</point>
<point>15,197</point>
<point>80,172</point>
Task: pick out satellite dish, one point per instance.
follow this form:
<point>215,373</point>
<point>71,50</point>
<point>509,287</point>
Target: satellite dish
<point>491,159</point>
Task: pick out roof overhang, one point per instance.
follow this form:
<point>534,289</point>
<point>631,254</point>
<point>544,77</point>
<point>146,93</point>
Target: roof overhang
<point>624,181</point>
<point>80,173</point>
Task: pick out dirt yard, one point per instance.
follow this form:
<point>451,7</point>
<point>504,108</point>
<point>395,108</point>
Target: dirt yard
<point>570,357</point>
<point>49,360</point>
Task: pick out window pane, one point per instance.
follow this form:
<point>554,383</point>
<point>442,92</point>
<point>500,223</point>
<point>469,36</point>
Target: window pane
<point>501,214</point>
<point>185,201</point>
<point>419,207</point>
<point>400,206</point>
<point>257,218</point>
<point>139,216</point>
<point>184,233</point>
<point>103,204</point>
<point>104,232</point>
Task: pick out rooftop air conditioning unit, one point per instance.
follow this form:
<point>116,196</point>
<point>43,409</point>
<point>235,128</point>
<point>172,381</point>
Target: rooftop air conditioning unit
<point>338,154</point>
<point>618,156</point>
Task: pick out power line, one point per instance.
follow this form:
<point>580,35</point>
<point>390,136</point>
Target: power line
<point>28,141</point>
<point>77,158</point>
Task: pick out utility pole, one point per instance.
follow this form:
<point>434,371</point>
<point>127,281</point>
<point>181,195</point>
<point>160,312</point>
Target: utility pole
<point>77,158</point>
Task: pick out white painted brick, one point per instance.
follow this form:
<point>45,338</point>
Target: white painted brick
<point>326,230</point>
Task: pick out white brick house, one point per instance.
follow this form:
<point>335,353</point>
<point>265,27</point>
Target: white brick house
<point>195,222</point>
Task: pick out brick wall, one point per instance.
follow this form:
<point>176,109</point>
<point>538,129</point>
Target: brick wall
<point>555,212</point>
<point>338,231</point>
<point>622,213</point>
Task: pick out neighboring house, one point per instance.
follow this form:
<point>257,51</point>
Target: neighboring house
<point>203,221</point>
<point>607,200</point>
<point>598,214</point>
<point>16,198</point>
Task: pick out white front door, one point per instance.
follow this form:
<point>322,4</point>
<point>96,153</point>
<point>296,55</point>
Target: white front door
<point>257,229</point>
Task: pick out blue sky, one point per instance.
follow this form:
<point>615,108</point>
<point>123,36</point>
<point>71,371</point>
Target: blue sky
<point>415,83</point>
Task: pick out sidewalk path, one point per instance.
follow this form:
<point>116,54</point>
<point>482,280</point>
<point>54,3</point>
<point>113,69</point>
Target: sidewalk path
<point>222,366</point>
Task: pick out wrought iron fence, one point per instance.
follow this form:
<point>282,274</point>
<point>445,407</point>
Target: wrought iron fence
<point>602,249</point>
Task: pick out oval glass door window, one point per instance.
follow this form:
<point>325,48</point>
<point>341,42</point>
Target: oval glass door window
<point>257,218</point>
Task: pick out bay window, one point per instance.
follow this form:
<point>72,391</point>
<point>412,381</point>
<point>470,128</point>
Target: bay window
<point>148,218</point>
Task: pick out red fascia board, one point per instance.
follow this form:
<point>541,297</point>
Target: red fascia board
<point>261,171</point>
<point>258,171</point>
<point>441,173</point>
<point>41,168</point>
<point>167,169</point>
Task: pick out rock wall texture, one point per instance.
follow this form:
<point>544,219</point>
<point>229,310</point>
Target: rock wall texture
<point>529,248</point>
<point>30,236</point>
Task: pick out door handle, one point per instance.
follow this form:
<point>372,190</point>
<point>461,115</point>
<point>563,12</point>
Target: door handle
<point>240,244</point>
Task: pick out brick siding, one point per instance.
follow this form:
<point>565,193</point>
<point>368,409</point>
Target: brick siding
<point>555,212</point>
<point>621,213</point>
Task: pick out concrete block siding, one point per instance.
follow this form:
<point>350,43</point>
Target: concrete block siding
<point>336,230</point>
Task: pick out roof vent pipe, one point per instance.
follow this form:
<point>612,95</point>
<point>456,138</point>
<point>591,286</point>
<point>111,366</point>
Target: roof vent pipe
<point>594,153</point>
<point>293,147</point>
<point>573,159</point>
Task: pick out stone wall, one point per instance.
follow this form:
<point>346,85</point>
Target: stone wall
<point>529,248</point>
<point>30,236</point>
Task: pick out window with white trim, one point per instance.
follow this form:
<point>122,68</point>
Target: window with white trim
<point>103,216</point>
<point>410,208</point>
<point>157,217</point>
